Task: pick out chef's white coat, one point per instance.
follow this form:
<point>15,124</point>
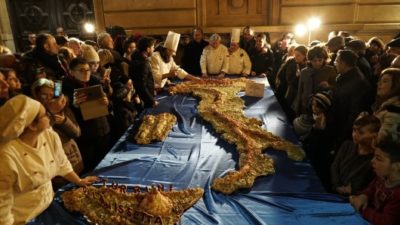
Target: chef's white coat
<point>159,67</point>
<point>214,61</point>
<point>239,62</point>
<point>26,173</point>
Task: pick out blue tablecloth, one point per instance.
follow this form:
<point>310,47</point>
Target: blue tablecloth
<point>193,155</point>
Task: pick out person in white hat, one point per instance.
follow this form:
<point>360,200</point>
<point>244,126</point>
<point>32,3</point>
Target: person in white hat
<point>214,59</point>
<point>239,61</point>
<point>163,65</point>
<point>31,155</point>
<point>91,56</point>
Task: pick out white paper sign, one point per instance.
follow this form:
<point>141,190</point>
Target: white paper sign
<point>255,89</point>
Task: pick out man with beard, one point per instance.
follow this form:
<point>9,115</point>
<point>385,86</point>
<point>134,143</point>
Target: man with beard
<point>140,71</point>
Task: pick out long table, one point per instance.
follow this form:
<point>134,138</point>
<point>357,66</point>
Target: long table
<point>194,154</point>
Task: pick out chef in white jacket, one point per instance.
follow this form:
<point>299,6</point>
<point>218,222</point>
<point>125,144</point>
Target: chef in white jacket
<point>239,60</point>
<point>31,154</point>
<point>163,65</point>
<point>214,59</point>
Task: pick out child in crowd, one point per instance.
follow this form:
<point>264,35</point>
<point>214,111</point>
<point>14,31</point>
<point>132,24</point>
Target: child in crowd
<point>14,84</point>
<point>379,203</point>
<point>314,130</point>
<point>351,170</point>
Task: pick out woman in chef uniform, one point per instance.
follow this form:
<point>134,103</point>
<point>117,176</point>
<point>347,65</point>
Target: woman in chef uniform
<point>31,154</point>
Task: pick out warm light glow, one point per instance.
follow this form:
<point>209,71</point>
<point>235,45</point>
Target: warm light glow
<point>300,30</point>
<point>313,23</point>
<point>89,27</point>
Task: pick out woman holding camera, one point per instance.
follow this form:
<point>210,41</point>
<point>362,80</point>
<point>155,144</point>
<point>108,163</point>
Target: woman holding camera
<point>61,117</point>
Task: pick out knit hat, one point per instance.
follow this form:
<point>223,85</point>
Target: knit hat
<point>105,57</point>
<point>324,99</point>
<point>17,114</point>
<point>120,90</point>
<point>90,54</point>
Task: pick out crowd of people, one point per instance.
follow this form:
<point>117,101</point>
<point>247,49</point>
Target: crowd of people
<point>342,97</point>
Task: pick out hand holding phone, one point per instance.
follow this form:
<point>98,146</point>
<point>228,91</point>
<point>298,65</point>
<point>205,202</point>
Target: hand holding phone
<point>57,88</point>
<point>107,73</point>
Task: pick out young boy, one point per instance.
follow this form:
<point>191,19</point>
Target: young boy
<point>351,170</point>
<point>379,203</point>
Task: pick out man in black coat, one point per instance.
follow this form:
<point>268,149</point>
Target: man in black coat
<point>351,96</point>
<point>247,41</point>
<point>192,53</point>
<point>140,71</point>
<point>43,55</point>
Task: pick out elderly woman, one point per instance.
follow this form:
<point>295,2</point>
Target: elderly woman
<point>62,119</point>
<point>31,155</point>
<point>387,105</point>
<point>214,59</point>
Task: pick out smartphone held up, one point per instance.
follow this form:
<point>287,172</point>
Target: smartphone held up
<point>57,88</point>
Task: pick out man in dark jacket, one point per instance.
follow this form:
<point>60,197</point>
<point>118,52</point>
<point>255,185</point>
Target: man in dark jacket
<point>351,96</point>
<point>247,41</point>
<point>192,53</point>
<point>334,45</point>
<point>140,71</point>
<point>359,47</point>
<point>43,55</point>
<point>105,41</point>
<point>262,59</point>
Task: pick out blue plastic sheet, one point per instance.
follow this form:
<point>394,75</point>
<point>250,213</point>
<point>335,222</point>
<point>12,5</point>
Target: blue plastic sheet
<point>193,155</point>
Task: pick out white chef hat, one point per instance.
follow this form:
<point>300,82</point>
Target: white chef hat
<point>15,115</point>
<point>235,35</point>
<point>172,41</point>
